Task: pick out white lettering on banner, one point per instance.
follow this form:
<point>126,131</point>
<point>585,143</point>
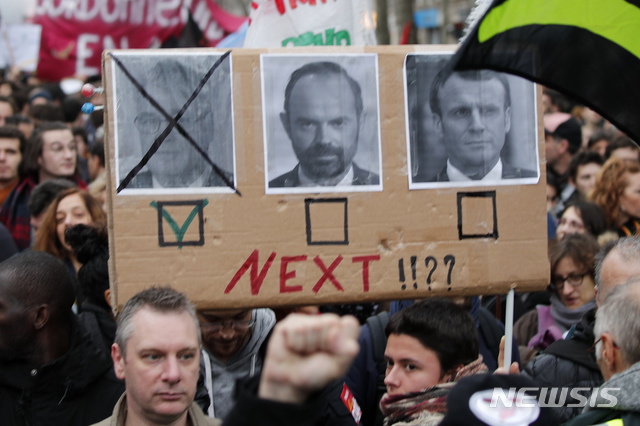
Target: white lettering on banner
<point>214,31</point>
<point>136,16</point>
<point>48,7</point>
<point>164,13</point>
<point>169,5</point>
<point>118,11</point>
<point>83,52</point>
<point>202,15</point>
<point>83,13</point>
<point>90,45</point>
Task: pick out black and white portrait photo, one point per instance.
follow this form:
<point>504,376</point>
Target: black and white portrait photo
<point>173,122</point>
<point>468,128</point>
<point>321,123</point>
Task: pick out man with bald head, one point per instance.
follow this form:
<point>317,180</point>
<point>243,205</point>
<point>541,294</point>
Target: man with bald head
<point>51,371</point>
<point>323,117</point>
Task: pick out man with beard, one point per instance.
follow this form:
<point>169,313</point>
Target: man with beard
<point>176,163</point>
<point>51,369</point>
<point>323,118</point>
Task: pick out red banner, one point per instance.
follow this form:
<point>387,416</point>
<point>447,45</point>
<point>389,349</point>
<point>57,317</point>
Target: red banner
<point>74,34</point>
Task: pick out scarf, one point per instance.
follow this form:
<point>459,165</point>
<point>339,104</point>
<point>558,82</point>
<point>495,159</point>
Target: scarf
<point>428,406</point>
<point>564,317</point>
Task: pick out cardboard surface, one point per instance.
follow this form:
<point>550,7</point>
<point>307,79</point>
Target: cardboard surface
<point>254,249</point>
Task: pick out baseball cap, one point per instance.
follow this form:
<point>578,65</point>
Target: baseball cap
<point>564,126</point>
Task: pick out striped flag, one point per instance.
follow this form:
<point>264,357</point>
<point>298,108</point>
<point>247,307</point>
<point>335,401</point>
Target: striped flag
<point>587,49</point>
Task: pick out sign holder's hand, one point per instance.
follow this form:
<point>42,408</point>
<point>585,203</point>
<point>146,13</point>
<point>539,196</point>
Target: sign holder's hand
<point>514,368</point>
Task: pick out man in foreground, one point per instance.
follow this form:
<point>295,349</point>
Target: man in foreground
<point>157,353</point>
<point>51,371</point>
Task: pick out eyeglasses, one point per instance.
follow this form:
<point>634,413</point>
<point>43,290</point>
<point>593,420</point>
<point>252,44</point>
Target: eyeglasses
<point>151,123</point>
<point>218,326</point>
<point>575,280</point>
<point>593,347</point>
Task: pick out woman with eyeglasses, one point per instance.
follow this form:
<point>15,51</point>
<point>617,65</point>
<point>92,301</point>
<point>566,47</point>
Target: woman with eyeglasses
<point>573,294</point>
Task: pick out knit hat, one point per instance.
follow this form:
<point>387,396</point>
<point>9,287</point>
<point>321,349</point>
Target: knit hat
<point>489,399</point>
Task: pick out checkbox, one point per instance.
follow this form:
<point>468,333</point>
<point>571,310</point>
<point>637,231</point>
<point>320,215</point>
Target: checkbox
<point>477,216</point>
<point>180,223</point>
<point>327,222</point>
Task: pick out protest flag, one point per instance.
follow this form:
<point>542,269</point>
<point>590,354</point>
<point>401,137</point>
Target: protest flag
<point>587,49</point>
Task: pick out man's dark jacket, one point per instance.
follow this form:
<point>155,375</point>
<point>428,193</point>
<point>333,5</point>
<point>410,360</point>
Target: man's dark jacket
<point>79,388</point>
<point>568,363</point>
<point>292,179</point>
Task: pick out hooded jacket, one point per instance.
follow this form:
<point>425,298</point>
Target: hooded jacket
<point>79,388</point>
<point>568,363</point>
<point>220,378</point>
<point>626,403</point>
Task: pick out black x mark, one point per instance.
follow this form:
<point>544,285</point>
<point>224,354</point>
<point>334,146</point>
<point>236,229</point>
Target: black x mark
<point>173,123</point>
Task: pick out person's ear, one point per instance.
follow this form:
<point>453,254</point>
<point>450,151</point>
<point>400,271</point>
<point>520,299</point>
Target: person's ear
<point>284,118</point>
<point>608,351</point>
<point>564,145</point>
<point>437,123</point>
<point>107,297</point>
<point>118,361</point>
<point>41,317</point>
<point>507,120</point>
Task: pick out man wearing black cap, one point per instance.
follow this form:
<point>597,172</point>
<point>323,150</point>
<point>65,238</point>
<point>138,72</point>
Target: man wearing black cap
<point>563,138</point>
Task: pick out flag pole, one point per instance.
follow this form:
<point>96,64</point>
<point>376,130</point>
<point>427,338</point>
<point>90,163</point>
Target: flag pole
<point>508,329</point>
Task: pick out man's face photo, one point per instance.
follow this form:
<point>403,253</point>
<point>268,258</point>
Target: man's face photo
<point>176,163</point>
<point>323,124</point>
<point>474,121</point>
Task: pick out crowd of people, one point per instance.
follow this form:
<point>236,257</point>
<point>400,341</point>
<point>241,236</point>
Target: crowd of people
<point>65,358</point>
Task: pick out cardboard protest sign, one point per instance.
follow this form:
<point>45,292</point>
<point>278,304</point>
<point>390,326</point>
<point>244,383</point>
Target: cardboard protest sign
<point>289,176</point>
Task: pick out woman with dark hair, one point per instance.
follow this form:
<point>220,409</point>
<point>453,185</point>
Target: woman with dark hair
<point>581,217</point>
<point>70,207</point>
<point>572,295</point>
<point>617,192</point>
<point>431,345</point>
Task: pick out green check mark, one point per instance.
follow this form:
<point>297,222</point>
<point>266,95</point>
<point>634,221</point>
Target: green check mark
<point>179,230</point>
